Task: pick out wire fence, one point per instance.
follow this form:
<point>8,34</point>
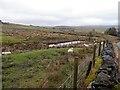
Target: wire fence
<point>82,68</point>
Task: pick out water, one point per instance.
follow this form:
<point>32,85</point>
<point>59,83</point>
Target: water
<point>118,44</point>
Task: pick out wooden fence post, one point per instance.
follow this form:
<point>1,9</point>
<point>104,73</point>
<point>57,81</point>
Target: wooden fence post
<point>75,73</point>
<point>89,69</point>
<point>103,45</point>
<point>106,42</point>
<point>99,49</point>
<point>94,54</point>
<point>64,87</point>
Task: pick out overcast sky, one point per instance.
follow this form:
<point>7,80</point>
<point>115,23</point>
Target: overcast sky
<point>60,12</point>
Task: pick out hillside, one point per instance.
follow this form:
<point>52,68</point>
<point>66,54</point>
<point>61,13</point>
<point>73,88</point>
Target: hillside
<point>33,64</point>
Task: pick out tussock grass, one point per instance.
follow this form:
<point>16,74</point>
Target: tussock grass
<point>29,69</point>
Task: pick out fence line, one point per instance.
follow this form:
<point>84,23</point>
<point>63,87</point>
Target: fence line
<point>68,83</point>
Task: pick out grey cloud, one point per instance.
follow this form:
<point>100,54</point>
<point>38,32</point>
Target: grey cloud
<point>18,13</point>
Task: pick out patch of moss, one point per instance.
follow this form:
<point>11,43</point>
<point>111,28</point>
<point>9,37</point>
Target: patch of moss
<point>93,71</point>
<point>116,87</point>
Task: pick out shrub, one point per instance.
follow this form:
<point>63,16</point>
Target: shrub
<point>111,31</point>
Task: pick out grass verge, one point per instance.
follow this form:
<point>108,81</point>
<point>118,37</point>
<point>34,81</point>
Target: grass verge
<point>93,71</point>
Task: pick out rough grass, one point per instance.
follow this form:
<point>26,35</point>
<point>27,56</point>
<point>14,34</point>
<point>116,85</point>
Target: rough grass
<point>29,70</point>
<point>93,71</point>
<point>10,39</point>
<point>116,87</point>
<point>41,54</point>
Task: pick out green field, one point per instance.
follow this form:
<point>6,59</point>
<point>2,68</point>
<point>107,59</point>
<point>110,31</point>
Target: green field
<point>31,68</point>
<point>11,39</point>
<point>10,26</point>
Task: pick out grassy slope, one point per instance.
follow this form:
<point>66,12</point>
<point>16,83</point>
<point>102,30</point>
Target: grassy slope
<point>10,26</point>
<point>10,39</point>
<point>29,69</point>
